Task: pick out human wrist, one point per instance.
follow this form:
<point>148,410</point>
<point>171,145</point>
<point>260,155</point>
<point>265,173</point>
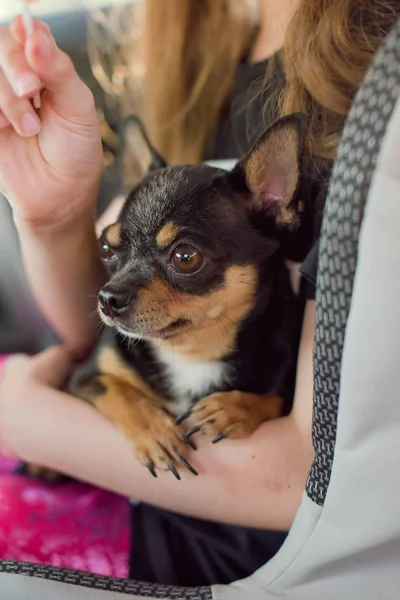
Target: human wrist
<point>57,226</point>
<point>57,213</point>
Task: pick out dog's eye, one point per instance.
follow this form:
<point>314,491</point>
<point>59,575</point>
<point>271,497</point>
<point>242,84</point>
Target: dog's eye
<point>107,255</point>
<point>187,259</point>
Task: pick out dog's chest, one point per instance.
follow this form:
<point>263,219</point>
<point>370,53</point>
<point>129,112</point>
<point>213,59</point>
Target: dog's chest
<point>190,380</point>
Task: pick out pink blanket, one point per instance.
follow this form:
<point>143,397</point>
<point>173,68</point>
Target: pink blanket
<point>67,524</point>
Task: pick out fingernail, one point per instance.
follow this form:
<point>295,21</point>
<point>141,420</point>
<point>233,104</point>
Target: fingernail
<point>30,124</point>
<point>26,84</point>
<point>45,44</point>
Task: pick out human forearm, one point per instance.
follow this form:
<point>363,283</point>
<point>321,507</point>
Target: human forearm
<point>65,273</point>
<point>256,482</point>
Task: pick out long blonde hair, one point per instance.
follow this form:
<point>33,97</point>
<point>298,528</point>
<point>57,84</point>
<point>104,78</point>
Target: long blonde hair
<point>190,49</point>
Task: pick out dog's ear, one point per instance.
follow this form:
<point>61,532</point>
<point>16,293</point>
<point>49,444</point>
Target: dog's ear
<point>138,155</point>
<point>272,168</point>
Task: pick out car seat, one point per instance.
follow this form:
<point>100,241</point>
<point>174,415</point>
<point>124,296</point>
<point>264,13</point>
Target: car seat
<point>345,540</point>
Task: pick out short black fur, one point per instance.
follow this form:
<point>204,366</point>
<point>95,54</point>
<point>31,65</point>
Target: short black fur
<point>215,213</point>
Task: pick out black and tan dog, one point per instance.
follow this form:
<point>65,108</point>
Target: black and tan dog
<point>200,317</point>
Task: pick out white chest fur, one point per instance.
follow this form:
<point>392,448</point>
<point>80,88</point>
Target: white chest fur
<point>190,379</point>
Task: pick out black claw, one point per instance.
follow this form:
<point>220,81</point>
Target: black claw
<point>184,416</point>
<point>191,443</point>
<point>185,463</point>
<point>219,437</point>
<point>170,466</point>
<point>174,471</point>
<point>192,431</point>
<point>152,470</point>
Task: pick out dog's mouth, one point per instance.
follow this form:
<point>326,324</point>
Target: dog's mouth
<point>167,332</point>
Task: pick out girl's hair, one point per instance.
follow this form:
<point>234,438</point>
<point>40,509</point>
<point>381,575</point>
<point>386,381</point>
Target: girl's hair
<point>328,47</point>
<point>192,48</point>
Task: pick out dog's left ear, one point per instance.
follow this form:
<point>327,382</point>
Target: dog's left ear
<point>272,168</point>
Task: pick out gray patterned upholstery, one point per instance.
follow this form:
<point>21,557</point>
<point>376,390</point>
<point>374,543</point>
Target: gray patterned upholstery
<point>347,195</point>
<point>110,584</point>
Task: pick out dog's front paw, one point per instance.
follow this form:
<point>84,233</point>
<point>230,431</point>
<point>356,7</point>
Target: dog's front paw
<point>231,414</point>
<point>41,473</point>
<point>157,441</point>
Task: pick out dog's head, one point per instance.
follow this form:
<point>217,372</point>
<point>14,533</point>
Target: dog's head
<point>186,253</point>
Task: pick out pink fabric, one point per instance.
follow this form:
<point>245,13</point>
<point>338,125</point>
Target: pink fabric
<point>66,524</point>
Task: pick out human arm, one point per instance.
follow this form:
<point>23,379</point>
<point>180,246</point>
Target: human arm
<point>255,482</point>
<point>50,174</point>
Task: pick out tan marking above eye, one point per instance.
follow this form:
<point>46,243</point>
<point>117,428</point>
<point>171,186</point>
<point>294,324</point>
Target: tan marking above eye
<point>167,234</point>
<point>113,235</point>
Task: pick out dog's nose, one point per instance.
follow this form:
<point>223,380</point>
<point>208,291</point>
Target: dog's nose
<point>114,302</point>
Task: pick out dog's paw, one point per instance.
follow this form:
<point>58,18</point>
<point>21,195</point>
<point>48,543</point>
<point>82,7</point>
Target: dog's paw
<point>157,441</point>
<point>42,473</point>
<point>231,414</point>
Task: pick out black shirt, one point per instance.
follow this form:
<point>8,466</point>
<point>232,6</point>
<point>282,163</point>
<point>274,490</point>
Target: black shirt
<point>251,109</point>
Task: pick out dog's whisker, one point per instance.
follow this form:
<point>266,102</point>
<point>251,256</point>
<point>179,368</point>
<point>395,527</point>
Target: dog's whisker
<point>220,327</point>
<point>190,330</point>
<point>249,283</point>
<point>267,289</point>
<point>223,315</point>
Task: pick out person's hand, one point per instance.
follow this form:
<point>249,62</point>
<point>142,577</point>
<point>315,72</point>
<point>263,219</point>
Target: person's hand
<point>21,379</point>
<point>51,162</point>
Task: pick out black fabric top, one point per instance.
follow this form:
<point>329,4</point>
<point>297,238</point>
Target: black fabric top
<point>309,271</point>
<point>252,108</point>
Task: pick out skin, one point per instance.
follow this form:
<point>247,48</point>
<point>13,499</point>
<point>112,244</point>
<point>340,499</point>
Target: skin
<point>274,17</point>
<point>53,205</point>
<point>54,201</point>
<point>270,467</point>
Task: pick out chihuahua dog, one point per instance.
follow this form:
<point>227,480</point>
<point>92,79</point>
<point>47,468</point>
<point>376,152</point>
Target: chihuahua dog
<point>200,318</point>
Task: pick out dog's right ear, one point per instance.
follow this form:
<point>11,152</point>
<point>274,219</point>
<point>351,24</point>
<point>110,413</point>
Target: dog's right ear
<point>138,155</point>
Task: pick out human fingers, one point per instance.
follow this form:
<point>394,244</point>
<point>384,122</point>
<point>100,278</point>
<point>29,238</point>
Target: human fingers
<point>52,366</point>
<point>68,94</point>
<point>17,111</point>
<point>19,74</point>
<point>18,31</point>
